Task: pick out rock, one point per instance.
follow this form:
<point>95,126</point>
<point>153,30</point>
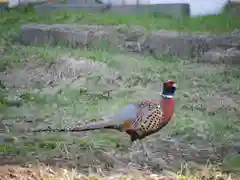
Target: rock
<point>176,44</point>
<point>220,56</point>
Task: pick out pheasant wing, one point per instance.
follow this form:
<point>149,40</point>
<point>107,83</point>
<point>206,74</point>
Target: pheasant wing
<point>149,120</point>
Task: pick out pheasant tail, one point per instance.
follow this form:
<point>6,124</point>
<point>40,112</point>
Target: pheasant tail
<point>105,124</point>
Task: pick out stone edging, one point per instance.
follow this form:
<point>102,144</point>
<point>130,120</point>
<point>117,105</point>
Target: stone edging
<point>137,39</point>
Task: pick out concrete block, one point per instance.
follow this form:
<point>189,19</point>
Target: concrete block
<point>175,44</point>
<point>220,56</point>
<point>69,35</point>
<point>35,34</point>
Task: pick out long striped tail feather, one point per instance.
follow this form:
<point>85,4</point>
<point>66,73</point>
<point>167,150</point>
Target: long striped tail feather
<point>87,127</point>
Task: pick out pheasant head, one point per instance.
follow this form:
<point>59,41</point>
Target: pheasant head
<point>169,88</point>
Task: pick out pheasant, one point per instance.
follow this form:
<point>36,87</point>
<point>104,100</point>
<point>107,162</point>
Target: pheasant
<point>137,120</point>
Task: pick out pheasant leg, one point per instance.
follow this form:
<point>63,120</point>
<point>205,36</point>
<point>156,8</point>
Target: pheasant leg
<point>146,150</point>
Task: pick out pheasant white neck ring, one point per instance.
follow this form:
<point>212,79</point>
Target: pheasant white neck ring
<point>166,96</point>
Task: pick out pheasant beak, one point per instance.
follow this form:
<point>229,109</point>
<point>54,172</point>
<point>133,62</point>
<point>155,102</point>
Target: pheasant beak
<point>174,85</point>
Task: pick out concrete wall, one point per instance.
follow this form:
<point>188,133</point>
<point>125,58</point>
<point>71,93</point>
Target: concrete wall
<point>176,10</point>
<point>90,8</point>
<point>197,7</point>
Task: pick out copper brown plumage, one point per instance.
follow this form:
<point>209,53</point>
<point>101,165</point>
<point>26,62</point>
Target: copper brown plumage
<point>137,120</point>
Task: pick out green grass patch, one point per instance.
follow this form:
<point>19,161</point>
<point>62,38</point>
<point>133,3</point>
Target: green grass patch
<point>26,148</point>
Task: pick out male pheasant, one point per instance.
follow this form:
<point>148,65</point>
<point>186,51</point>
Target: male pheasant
<point>137,120</point>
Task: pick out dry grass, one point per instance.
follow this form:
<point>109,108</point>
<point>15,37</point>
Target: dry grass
<point>42,172</point>
<point>46,172</point>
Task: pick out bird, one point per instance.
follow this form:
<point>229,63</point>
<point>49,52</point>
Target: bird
<point>138,120</point>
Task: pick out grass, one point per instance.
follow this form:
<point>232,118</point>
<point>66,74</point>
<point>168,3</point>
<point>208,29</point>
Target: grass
<point>201,121</point>
<point>194,123</point>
